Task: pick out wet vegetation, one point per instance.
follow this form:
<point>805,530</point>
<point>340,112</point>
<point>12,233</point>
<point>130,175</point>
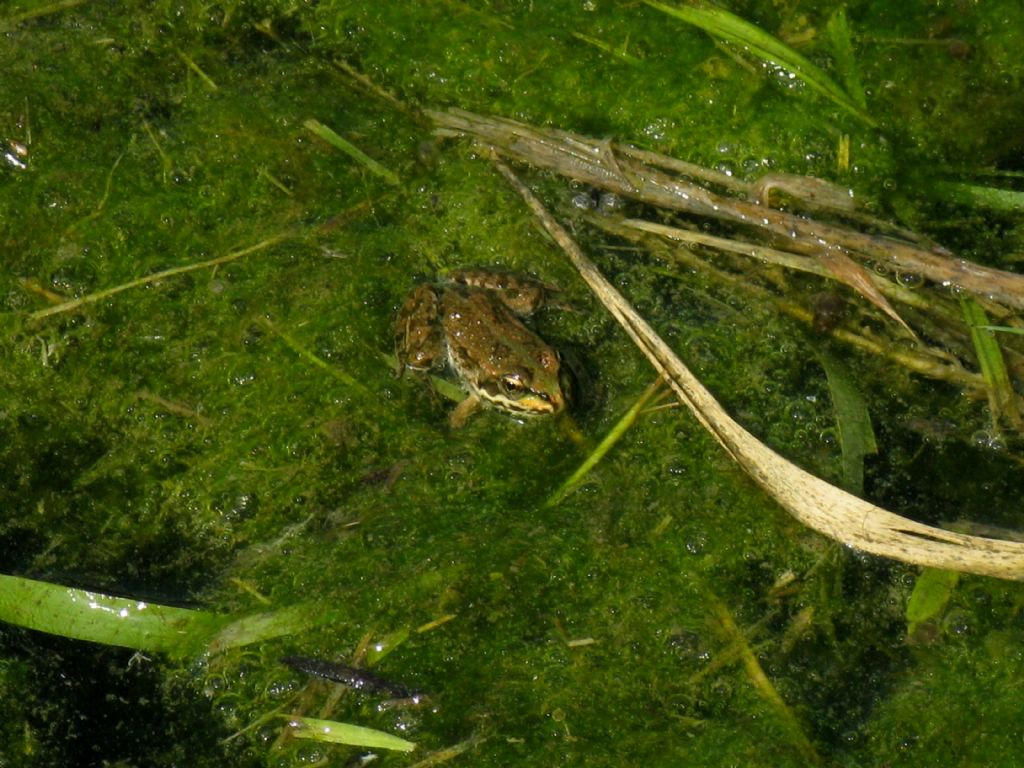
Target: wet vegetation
<point>214,424</point>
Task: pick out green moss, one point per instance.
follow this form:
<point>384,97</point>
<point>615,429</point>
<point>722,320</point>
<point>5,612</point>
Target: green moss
<point>169,442</point>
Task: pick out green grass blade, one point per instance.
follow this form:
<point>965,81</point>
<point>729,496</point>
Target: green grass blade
<point>726,26</point>
<point>126,622</point>
<point>840,39</point>
<point>853,420</point>
<point>601,45</point>
<point>385,645</point>
<point>92,298</point>
<point>932,591</point>
<point>351,150</point>
<point>1001,397</point>
<point>258,627</point>
<point>1001,329</point>
<point>39,12</point>
<point>605,445</point>
<point>83,615</point>
<point>333,732</point>
<point>307,355</point>
<point>198,71</point>
<point>978,196</point>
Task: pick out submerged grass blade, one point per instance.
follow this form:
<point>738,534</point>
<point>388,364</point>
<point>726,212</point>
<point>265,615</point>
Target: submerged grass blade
<point>726,26</point>
<point>620,428</point>
<point>1001,397</point>
<point>332,732</point>
<point>932,591</point>
<point>856,437</point>
<point>83,615</point>
<point>761,682</point>
<point>125,622</point>
<point>44,10</point>
<point>601,45</point>
<point>449,753</point>
<point>979,196</point>
<point>92,298</point>
<point>258,627</point>
<point>1001,329</point>
<point>840,39</point>
<point>191,64</point>
<point>385,645</point>
<point>307,355</point>
<point>350,149</point>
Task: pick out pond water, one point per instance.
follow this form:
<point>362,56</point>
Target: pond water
<point>234,437</point>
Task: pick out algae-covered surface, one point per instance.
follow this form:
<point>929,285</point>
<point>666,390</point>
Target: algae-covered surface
<point>233,437</point>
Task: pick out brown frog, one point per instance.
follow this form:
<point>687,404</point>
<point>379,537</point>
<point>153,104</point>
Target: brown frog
<point>470,322</point>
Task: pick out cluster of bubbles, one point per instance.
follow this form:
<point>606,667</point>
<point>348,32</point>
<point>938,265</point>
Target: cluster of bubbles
<point>601,202</point>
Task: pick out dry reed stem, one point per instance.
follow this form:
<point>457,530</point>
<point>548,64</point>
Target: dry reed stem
<point>819,505</point>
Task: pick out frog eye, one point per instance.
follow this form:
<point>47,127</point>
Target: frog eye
<point>514,384</point>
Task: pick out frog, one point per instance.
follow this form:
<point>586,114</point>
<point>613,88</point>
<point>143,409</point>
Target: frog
<point>471,324</point>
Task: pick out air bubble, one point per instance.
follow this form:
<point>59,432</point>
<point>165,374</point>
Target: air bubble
<point>609,202</point>
<point>987,440</point>
<point>909,279</point>
<point>584,201</point>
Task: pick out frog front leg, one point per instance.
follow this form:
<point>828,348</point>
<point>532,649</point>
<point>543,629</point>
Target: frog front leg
<point>463,411</point>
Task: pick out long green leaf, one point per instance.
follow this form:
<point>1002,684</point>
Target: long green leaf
<point>609,440</point>
<point>856,436</point>
<point>350,149</point>
<point>932,591</point>
<point>36,13</point>
<point>726,26</point>
<point>979,196</point>
<point>840,39</point>
<point>99,618</point>
<point>1002,329</point>
<point>1001,397</point>
<point>601,45</point>
<point>126,622</point>
<point>334,732</point>
<point>257,627</point>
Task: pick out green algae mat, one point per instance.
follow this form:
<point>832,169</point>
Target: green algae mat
<point>231,535</point>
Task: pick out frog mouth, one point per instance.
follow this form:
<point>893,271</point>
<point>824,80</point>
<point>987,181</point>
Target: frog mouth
<point>528,404</point>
